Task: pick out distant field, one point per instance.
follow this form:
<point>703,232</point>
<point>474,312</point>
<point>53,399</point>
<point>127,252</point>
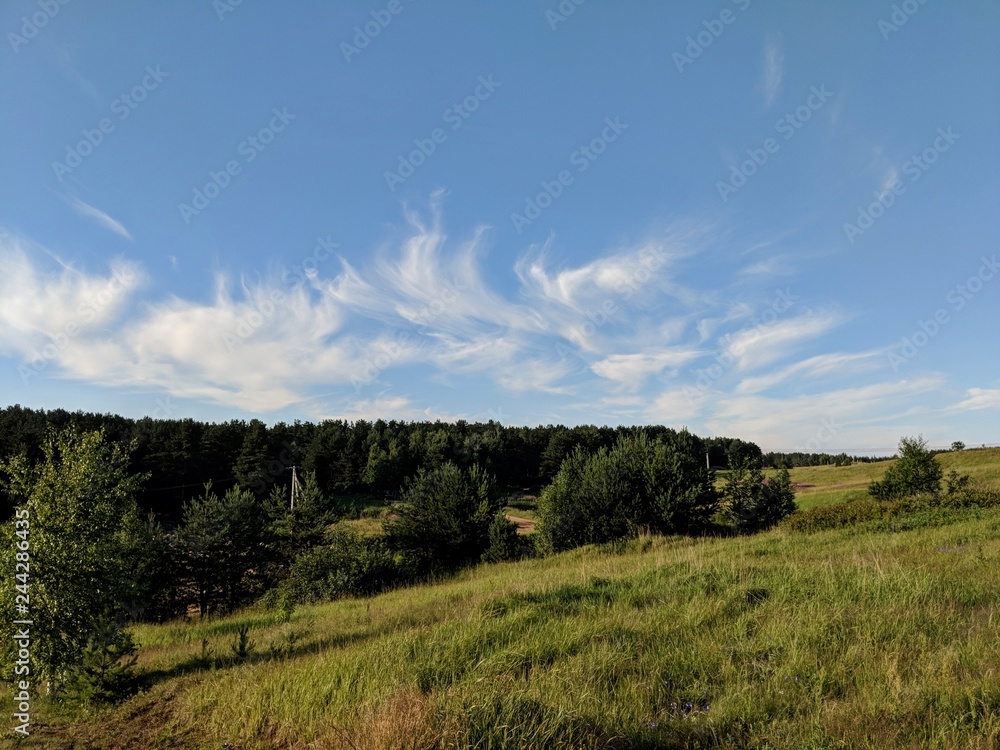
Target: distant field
<point>834,484</point>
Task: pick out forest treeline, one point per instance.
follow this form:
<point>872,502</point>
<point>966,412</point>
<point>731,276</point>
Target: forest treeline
<point>347,458</point>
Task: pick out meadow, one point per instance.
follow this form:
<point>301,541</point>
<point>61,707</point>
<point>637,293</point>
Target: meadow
<point>861,637</point>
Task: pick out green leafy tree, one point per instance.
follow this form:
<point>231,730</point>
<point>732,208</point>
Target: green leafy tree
<point>351,565</point>
<point>444,518</point>
<point>88,548</point>
<point>223,547</point>
<point>914,472</point>
<point>958,445</point>
<point>639,482</point>
<point>753,503</point>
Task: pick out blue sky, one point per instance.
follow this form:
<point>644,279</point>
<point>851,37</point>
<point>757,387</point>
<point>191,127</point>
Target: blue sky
<point>777,221</point>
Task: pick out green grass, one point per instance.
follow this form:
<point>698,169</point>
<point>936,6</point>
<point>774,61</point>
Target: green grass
<point>837,484</point>
<point>852,638</point>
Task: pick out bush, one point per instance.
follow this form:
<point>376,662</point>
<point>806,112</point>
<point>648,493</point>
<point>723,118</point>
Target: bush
<point>505,544</point>
<point>444,518</point>
<point>914,472</point>
<point>840,515</point>
<point>350,566</point>
<point>104,671</point>
<point>639,483</point>
<point>879,512</point>
<point>754,503</point>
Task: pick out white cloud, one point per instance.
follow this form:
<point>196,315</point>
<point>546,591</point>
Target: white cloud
<point>867,412</point>
<point>677,405</point>
<point>981,398</point>
<point>861,416</point>
<point>632,370</point>
<point>891,178</point>
<point>85,209</point>
<point>773,72</point>
<point>269,345</point>
<point>328,345</point>
<point>764,342</point>
<point>60,305</point>
<point>815,367</point>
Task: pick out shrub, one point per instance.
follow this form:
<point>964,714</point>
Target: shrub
<point>350,566</point>
<point>914,472</point>
<point>754,503</point>
<point>504,541</point>
<point>444,518</point>
<point>639,483</point>
<point>932,508</point>
<point>840,515</point>
<point>104,670</point>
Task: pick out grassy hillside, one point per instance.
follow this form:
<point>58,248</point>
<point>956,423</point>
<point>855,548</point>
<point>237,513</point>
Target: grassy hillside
<point>823,485</point>
<point>863,637</point>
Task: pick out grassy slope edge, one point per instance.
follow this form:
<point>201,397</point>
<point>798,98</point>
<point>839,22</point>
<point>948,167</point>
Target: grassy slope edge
<point>845,638</point>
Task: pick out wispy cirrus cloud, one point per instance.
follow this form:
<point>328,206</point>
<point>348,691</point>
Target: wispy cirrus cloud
<point>620,336</point>
<point>814,368</point>
<point>632,370</point>
<point>981,398</point>
<point>97,215</point>
<point>268,346</point>
<point>761,345</point>
<point>773,72</point>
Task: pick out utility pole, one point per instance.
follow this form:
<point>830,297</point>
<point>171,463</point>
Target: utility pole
<point>295,488</point>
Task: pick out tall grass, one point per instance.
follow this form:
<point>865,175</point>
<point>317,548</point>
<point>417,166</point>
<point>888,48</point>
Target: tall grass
<point>880,635</point>
<point>832,639</point>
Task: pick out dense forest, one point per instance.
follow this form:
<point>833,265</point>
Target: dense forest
<point>347,458</point>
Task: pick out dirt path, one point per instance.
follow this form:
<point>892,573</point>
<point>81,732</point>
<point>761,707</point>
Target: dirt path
<point>524,525</point>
